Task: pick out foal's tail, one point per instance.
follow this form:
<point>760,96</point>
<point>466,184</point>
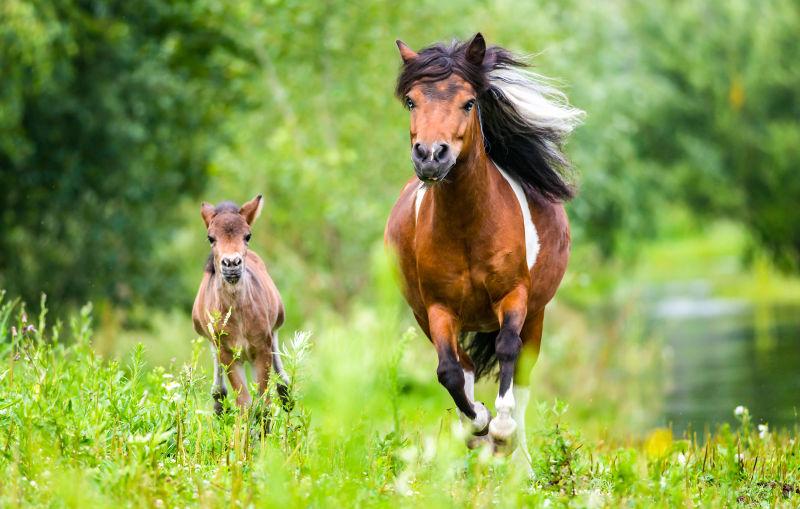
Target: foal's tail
<point>480,348</point>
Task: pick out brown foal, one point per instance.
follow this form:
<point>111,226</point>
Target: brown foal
<point>480,235</point>
<point>236,282</point>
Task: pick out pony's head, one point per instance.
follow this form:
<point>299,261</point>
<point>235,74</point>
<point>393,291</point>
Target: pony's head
<point>467,96</point>
<point>228,228</point>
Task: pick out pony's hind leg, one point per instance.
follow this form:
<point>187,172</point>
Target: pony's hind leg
<point>443,331</point>
<point>512,311</point>
<point>531,336</point>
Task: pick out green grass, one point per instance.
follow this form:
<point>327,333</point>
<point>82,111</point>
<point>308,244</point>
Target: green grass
<point>370,427</point>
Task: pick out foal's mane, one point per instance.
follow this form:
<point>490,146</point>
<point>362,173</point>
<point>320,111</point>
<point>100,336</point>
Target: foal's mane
<point>524,120</point>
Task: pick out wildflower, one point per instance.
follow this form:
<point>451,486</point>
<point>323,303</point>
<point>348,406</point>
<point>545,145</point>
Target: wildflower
<point>13,331</point>
<point>740,411</point>
<point>763,431</point>
<point>681,459</point>
<point>172,386</point>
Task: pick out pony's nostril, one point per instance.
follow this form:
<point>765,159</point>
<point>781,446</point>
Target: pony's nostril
<point>420,151</point>
<point>441,152</point>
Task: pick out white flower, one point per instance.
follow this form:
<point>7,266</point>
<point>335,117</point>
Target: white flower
<point>740,457</point>
<point>681,459</point>
<point>739,411</point>
<point>663,483</point>
<point>547,503</point>
<point>763,431</point>
<point>172,386</point>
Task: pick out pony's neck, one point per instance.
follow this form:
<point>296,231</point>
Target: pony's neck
<point>463,194</point>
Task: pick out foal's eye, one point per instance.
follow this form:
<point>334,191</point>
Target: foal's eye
<point>409,103</point>
<point>211,239</point>
<point>469,105</point>
<point>247,238</point>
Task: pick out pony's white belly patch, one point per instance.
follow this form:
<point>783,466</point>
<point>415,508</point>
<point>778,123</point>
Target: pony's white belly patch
<point>418,199</point>
<point>531,237</point>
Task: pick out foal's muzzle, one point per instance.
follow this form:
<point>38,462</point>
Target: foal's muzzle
<point>231,268</point>
<point>432,162</point>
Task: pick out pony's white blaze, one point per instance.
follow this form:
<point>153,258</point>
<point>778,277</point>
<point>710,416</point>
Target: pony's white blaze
<point>531,236</point>
<point>418,199</point>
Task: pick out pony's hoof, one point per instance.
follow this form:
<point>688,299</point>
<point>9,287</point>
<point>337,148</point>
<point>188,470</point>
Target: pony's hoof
<point>480,426</point>
<point>504,435</point>
<point>478,441</point>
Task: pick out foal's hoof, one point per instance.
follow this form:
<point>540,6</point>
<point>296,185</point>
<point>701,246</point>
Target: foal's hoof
<point>503,431</point>
<point>218,408</point>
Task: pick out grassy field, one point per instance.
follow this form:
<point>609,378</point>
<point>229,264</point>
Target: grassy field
<point>369,427</point>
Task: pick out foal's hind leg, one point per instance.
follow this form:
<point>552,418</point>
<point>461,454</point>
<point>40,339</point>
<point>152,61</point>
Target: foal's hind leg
<point>444,334</point>
<point>512,311</point>
<point>277,365</point>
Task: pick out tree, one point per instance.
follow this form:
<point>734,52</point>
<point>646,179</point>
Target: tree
<point>110,113</point>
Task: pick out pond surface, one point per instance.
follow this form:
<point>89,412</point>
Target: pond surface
<point>723,353</point>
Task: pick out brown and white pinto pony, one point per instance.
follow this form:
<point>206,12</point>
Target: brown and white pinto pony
<point>480,235</point>
<point>236,280</point>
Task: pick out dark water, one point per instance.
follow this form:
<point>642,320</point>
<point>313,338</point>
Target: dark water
<point>720,354</point>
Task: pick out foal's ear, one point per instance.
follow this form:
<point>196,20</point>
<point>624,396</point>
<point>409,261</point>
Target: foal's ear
<point>207,211</point>
<point>252,209</point>
<point>476,50</point>
<point>407,53</point>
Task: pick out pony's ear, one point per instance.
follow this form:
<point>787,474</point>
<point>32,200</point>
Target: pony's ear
<point>476,50</point>
<point>207,211</point>
<point>406,53</point>
<point>252,209</point>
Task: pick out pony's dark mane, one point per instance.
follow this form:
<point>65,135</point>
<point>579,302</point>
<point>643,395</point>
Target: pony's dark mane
<point>524,121</point>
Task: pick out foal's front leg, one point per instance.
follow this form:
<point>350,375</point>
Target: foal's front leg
<point>444,334</point>
<point>511,311</point>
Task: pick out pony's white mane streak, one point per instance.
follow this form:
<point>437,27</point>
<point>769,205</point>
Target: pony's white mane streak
<point>537,101</point>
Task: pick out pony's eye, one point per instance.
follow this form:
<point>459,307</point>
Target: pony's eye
<point>469,105</point>
<point>211,239</point>
<point>247,238</point>
<point>409,103</point>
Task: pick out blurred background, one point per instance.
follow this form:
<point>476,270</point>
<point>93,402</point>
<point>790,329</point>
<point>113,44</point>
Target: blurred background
<point>681,301</point>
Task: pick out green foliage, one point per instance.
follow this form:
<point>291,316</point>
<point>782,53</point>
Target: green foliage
<point>77,430</point>
<point>725,131</point>
<point>117,115</point>
<point>109,114</point>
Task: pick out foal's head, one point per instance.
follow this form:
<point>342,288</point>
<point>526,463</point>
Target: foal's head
<point>440,87</point>
<point>229,233</point>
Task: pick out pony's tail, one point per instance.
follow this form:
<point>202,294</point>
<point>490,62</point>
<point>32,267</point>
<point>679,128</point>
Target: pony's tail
<point>480,348</point>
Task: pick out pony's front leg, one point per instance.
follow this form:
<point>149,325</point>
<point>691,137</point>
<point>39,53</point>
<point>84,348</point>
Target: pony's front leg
<point>512,311</point>
<point>444,334</point>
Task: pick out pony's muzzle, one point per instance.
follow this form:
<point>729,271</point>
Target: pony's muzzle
<point>432,162</point>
